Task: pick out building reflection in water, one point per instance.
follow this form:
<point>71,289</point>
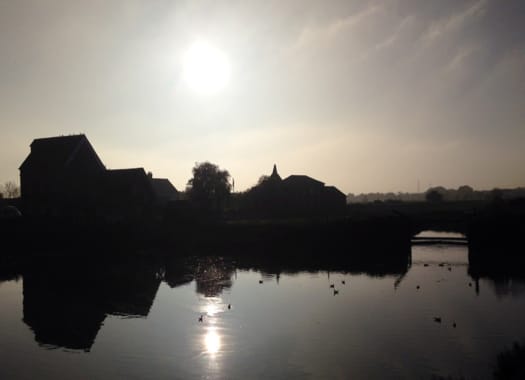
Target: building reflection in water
<point>65,304</point>
<point>66,301</point>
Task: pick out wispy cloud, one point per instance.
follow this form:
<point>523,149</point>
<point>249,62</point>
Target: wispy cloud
<point>455,21</point>
<point>314,36</point>
<point>348,91</point>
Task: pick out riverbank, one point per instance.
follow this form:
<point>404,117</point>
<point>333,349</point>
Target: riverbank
<point>370,232</point>
<point>341,236</point>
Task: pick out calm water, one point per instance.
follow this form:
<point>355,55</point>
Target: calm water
<point>440,234</point>
<point>142,322</point>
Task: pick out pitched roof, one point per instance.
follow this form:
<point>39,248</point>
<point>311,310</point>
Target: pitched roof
<point>55,152</point>
<point>164,188</point>
<point>127,176</point>
<point>298,179</point>
<point>334,190</point>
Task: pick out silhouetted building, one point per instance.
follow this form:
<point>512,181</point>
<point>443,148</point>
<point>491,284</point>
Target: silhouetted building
<point>334,200</point>
<point>275,176</point>
<point>296,195</point>
<point>128,194</point>
<point>164,190</point>
<point>63,176</point>
<point>303,194</point>
<point>59,171</point>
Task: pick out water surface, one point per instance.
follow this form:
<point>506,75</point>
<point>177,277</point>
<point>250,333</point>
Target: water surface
<point>141,321</point>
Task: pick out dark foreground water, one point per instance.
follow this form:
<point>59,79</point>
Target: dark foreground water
<point>431,319</point>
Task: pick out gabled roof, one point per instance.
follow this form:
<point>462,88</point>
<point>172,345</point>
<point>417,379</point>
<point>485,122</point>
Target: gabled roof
<point>302,179</point>
<point>127,176</point>
<point>164,189</point>
<point>333,190</point>
<point>53,153</point>
<point>124,181</point>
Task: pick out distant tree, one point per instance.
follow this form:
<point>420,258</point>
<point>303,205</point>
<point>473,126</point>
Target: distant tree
<point>210,187</point>
<point>263,179</point>
<point>11,190</point>
<point>433,196</point>
<point>445,193</point>
<point>465,193</point>
<point>495,195</point>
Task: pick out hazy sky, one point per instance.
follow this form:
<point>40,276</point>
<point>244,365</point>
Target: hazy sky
<point>364,95</point>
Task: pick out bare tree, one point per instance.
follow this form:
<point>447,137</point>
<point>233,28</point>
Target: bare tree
<point>11,190</point>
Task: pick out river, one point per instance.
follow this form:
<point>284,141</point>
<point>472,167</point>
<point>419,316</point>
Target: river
<point>213,318</point>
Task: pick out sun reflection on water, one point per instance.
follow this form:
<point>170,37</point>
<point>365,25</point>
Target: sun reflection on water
<point>211,309</point>
<point>212,341</point>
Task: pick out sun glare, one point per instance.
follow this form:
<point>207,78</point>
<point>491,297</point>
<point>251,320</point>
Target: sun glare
<point>206,69</point>
<point>211,309</point>
<point>212,341</point>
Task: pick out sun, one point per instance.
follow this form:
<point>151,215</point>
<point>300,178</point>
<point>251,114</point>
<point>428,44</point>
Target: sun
<point>205,68</point>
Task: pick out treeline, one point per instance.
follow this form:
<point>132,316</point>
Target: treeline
<point>462,193</point>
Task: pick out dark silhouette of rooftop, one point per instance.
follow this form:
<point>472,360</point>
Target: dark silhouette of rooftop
<point>126,178</point>
<point>275,176</point>
<point>59,168</point>
<point>301,180</point>
<point>296,195</point>
<point>53,153</point>
<point>63,176</point>
<point>332,190</point>
<point>164,189</point>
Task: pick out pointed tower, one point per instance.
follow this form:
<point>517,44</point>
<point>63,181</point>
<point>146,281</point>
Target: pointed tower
<point>275,176</point>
